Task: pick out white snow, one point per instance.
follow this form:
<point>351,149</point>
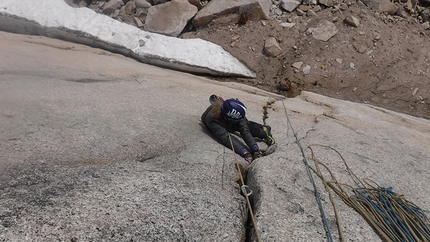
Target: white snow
<point>191,55</point>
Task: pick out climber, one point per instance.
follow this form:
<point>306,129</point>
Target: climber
<point>224,117</point>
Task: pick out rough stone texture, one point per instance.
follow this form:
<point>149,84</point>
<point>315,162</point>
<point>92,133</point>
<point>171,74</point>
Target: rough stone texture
<point>91,150</point>
<point>142,4</point>
<point>219,8</point>
<point>266,5</point>
<point>381,89</point>
<point>351,20</point>
<point>288,25</point>
<point>156,2</point>
<point>271,47</point>
<point>327,3</point>
<point>388,39</point>
<point>386,147</point>
<point>111,6</point>
<point>98,147</point>
<point>374,4</point>
<point>196,3</point>
<point>324,30</point>
<point>289,5</point>
<point>170,18</point>
<point>129,8</point>
<point>386,6</point>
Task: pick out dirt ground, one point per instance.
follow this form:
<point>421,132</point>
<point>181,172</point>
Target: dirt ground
<point>383,62</point>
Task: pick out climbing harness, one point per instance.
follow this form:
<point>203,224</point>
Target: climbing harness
<point>244,188</point>
<point>308,169</point>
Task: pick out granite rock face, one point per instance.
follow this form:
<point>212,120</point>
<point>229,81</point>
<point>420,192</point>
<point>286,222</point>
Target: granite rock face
<point>102,147</point>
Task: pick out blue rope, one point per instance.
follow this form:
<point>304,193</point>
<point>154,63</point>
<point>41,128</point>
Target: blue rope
<point>414,222</point>
<point>398,218</point>
<point>317,194</point>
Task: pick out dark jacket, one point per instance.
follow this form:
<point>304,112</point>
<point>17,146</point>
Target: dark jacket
<point>221,128</point>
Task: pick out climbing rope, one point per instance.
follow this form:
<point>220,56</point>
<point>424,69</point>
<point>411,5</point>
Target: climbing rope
<point>222,171</point>
<point>390,214</point>
<point>244,189</point>
<point>308,169</point>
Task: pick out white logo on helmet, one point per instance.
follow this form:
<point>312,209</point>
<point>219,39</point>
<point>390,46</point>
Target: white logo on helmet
<point>234,114</point>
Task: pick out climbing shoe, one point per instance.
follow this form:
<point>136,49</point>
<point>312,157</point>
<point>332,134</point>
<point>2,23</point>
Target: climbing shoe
<point>269,140</point>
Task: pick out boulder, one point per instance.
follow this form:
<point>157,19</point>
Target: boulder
<point>130,8</point>
<point>289,5</point>
<point>386,6</point>
<point>111,6</point>
<point>266,5</point>
<point>196,3</point>
<point>220,8</point>
<point>170,18</point>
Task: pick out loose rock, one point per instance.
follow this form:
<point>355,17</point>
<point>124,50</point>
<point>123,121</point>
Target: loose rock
<point>353,21</point>
<point>289,5</point>
<point>288,25</point>
<point>271,47</point>
<point>324,31</point>
<point>297,65</point>
<point>170,18</point>
<point>386,6</point>
<point>142,4</point>
<point>360,48</point>
<point>306,69</point>
<point>226,8</point>
<point>111,6</point>
<point>327,3</point>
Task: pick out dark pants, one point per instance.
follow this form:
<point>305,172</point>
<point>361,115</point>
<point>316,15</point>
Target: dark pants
<point>255,129</point>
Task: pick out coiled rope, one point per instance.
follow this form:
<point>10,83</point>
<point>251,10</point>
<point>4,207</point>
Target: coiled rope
<point>390,214</point>
<point>308,169</point>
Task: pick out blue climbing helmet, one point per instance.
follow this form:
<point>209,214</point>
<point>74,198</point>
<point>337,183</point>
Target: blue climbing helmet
<point>233,109</point>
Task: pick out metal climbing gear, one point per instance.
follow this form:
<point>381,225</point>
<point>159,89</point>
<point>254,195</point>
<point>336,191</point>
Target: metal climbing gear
<point>244,189</point>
